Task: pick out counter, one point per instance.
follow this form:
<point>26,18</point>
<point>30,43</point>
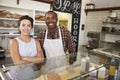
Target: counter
<point>68,74</point>
<point>74,74</point>
<point>63,75</point>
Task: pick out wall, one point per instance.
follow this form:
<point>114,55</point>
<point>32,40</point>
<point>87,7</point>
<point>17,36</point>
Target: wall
<point>82,21</point>
<point>26,4</point>
<point>94,23</point>
<point>81,32</point>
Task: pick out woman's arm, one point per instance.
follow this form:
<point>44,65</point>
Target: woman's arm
<point>39,57</point>
<point>14,51</point>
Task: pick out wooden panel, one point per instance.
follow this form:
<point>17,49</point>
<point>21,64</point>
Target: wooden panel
<point>46,1</point>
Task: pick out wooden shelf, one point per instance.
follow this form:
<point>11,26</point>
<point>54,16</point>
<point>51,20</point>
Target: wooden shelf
<point>9,19</point>
<point>102,9</point>
<point>46,1</point>
<point>9,35</point>
<point>117,23</point>
<point>115,33</point>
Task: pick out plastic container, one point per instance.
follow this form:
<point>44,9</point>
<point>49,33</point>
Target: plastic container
<point>102,73</point>
<point>85,64</point>
<point>92,74</point>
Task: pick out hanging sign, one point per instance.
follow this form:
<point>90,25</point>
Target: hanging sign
<point>73,7</point>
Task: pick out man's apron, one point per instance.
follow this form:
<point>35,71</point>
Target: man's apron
<point>55,55</point>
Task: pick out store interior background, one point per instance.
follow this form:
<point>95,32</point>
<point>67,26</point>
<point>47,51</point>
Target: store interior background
<point>64,20</point>
<point>92,21</point>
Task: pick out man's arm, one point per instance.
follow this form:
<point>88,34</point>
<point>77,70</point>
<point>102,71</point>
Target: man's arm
<point>71,48</point>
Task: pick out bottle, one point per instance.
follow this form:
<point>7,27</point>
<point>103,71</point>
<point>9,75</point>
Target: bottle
<point>102,73</point>
<point>92,74</point>
<point>117,74</point>
<point>115,77</point>
<point>85,64</point>
<point>112,69</point>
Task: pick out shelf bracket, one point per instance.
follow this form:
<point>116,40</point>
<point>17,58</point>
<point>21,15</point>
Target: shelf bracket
<point>17,2</point>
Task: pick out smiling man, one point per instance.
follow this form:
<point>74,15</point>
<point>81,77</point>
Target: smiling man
<point>55,42</point>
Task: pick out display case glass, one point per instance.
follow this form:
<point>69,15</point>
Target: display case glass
<point>68,72</point>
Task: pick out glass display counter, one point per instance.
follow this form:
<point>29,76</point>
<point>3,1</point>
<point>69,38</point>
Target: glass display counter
<point>69,72</point>
<point>9,71</point>
<point>90,75</point>
<point>109,71</point>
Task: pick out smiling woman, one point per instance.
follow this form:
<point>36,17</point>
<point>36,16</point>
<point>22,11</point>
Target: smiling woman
<point>25,51</point>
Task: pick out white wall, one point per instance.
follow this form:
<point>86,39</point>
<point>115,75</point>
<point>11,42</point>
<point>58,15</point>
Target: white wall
<point>82,21</point>
<point>26,4</point>
<point>81,33</point>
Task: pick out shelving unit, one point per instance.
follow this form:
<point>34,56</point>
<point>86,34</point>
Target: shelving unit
<point>39,22</point>
<point>14,9</point>
<point>110,29</point>
<point>10,15</point>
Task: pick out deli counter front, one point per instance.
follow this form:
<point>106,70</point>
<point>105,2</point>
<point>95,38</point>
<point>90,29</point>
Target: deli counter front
<point>85,70</point>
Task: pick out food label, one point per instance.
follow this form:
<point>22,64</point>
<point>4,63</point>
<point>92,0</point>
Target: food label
<point>112,70</point>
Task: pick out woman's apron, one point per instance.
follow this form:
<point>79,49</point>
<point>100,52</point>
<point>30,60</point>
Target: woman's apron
<point>56,58</point>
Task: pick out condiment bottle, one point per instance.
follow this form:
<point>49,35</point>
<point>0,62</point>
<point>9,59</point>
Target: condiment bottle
<point>85,64</point>
<point>101,73</point>
<point>92,74</point>
<point>112,69</point>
